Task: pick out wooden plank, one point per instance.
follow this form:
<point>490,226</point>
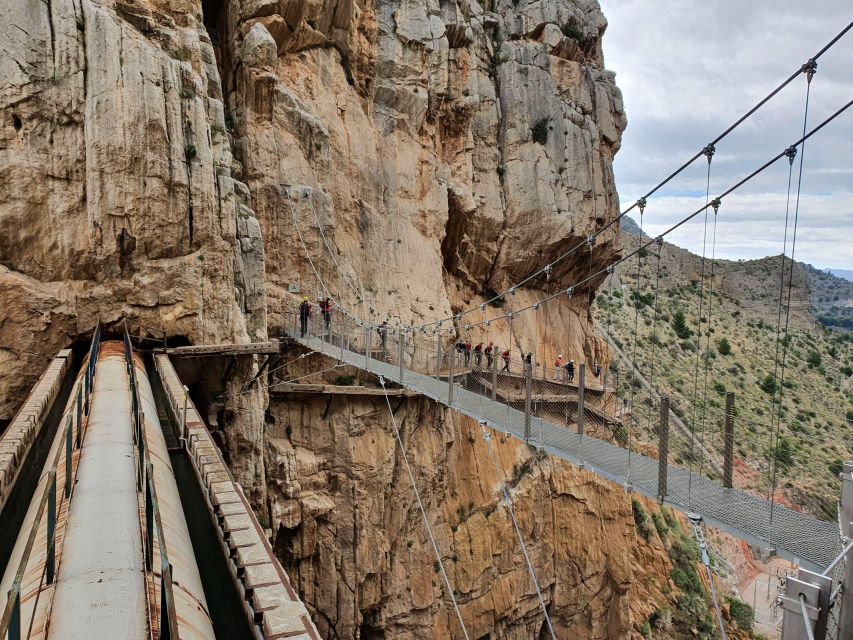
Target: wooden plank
<point>337,389</point>
<point>202,350</point>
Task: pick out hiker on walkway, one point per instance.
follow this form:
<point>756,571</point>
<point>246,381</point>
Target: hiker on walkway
<point>490,355</point>
<point>326,310</point>
<point>382,330</point>
<point>558,367</point>
<point>570,370</point>
<point>596,370</point>
<point>304,314</point>
<point>528,362</point>
<point>467,347</point>
<point>505,356</point>
<point>478,355</point>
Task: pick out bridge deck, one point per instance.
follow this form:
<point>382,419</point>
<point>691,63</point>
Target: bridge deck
<point>797,536</point>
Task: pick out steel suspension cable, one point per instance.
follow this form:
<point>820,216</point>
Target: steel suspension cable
<point>654,337</point>
<point>423,511</point>
<point>812,69</point>
<point>709,153</point>
<point>802,69</point>
<point>791,153</point>
<point>841,110</point>
<point>509,506</point>
<point>345,280</point>
<point>716,206</point>
<point>636,299</point>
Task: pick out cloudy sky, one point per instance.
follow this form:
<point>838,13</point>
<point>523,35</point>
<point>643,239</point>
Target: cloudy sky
<point>690,68</point>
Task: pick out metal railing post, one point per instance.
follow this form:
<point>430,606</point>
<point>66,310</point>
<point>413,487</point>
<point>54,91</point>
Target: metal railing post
<point>438,353</point>
<point>69,448</point>
<point>451,354</point>
<point>79,416</point>
<point>845,618</point>
<point>815,590</point>
<point>15,619</point>
<point>369,332</point>
<point>663,448</point>
<point>729,443</point>
<point>528,384</point>
<point>50,560</point>
<point>87,385</point>
<point>494,372</point>
<point>581,387</point>
<point>149,518</point>
<point>400,355</point>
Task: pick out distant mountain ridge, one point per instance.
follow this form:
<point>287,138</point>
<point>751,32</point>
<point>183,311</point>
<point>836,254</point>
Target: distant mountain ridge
<point>847,274</point>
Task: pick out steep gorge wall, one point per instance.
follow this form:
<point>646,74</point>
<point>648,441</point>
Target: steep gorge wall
<point>116,198</point>
<point>348,528</point>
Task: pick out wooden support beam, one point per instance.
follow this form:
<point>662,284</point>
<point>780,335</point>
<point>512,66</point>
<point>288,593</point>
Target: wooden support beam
<point>203,350</point>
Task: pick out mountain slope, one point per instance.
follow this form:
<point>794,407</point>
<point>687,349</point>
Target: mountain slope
<point>744,356</point>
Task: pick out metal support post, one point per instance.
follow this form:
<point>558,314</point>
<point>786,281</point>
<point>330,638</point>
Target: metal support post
<point>184,433</point>
<point>369,332</point>
<point>50,560</point>
<point>79,416</point>
<point>729,444</point>
<point>581,387</point>
<point>400,354</point>
<point>815,590</point>
<point>495,372</point>
<point>845,619</point>
<point>438,353</point>
<point>663,448</point>
<point>528,384</point>
<point>450,355</point>
<point>69,448</point>
<point>149,518</point>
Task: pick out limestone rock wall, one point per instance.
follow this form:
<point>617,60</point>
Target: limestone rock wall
<point>427,153</point>
<point>349,531</point>
<point>116,197</point>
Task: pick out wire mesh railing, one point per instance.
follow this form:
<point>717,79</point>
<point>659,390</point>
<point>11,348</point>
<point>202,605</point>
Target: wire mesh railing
<point>51,502</point>
<point>587,424</point>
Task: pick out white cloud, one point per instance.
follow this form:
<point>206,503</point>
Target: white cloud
<point>688,69</point>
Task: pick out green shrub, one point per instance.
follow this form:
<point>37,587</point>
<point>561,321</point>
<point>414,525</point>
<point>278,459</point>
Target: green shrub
<point>540,130</point>
<point>769,385</point>
<point>784,452</point>
<point>813,359</point>
<point>720,388</point>
<point>836,466</point>
<point>679,325</point>
<point>687,580</point>
<point>641,520</point>
<point>724,347</point>
<point>646,630</point>
<point>571,30</point>
<point>741,613</point>
<point>190,151</point>
<point>660,526</point>
<point>345,381</point>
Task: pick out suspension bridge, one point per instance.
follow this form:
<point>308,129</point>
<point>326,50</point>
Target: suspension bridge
<point>427,358</point>
<point>107,547</point>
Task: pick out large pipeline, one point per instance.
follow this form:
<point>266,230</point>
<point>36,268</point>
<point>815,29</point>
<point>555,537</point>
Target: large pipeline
<point>101,591</point>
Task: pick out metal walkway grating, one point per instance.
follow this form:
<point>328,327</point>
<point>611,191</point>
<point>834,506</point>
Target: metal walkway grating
<point>801,538</point>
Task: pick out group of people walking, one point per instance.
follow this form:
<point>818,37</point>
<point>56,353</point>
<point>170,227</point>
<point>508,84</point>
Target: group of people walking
<point>564,370</point>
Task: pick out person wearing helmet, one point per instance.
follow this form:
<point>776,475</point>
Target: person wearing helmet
<point>558,367</point>
<point>478,355</point>
<point>570,370</point>
<point>490,355</point>
<point>326,310</point>
<point>304,315</point>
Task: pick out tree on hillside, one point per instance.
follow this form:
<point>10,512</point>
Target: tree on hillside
<point>679,325</point>
<point>724,347</point>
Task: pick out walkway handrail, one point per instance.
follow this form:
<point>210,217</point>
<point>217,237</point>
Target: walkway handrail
<point>10,623</point>
<point>168,624</point>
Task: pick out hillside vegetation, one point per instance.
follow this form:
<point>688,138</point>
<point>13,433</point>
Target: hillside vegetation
<point>739,312</point>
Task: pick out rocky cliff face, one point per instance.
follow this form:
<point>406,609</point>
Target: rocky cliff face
<point>347,524</point>
<point>188,165</point>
